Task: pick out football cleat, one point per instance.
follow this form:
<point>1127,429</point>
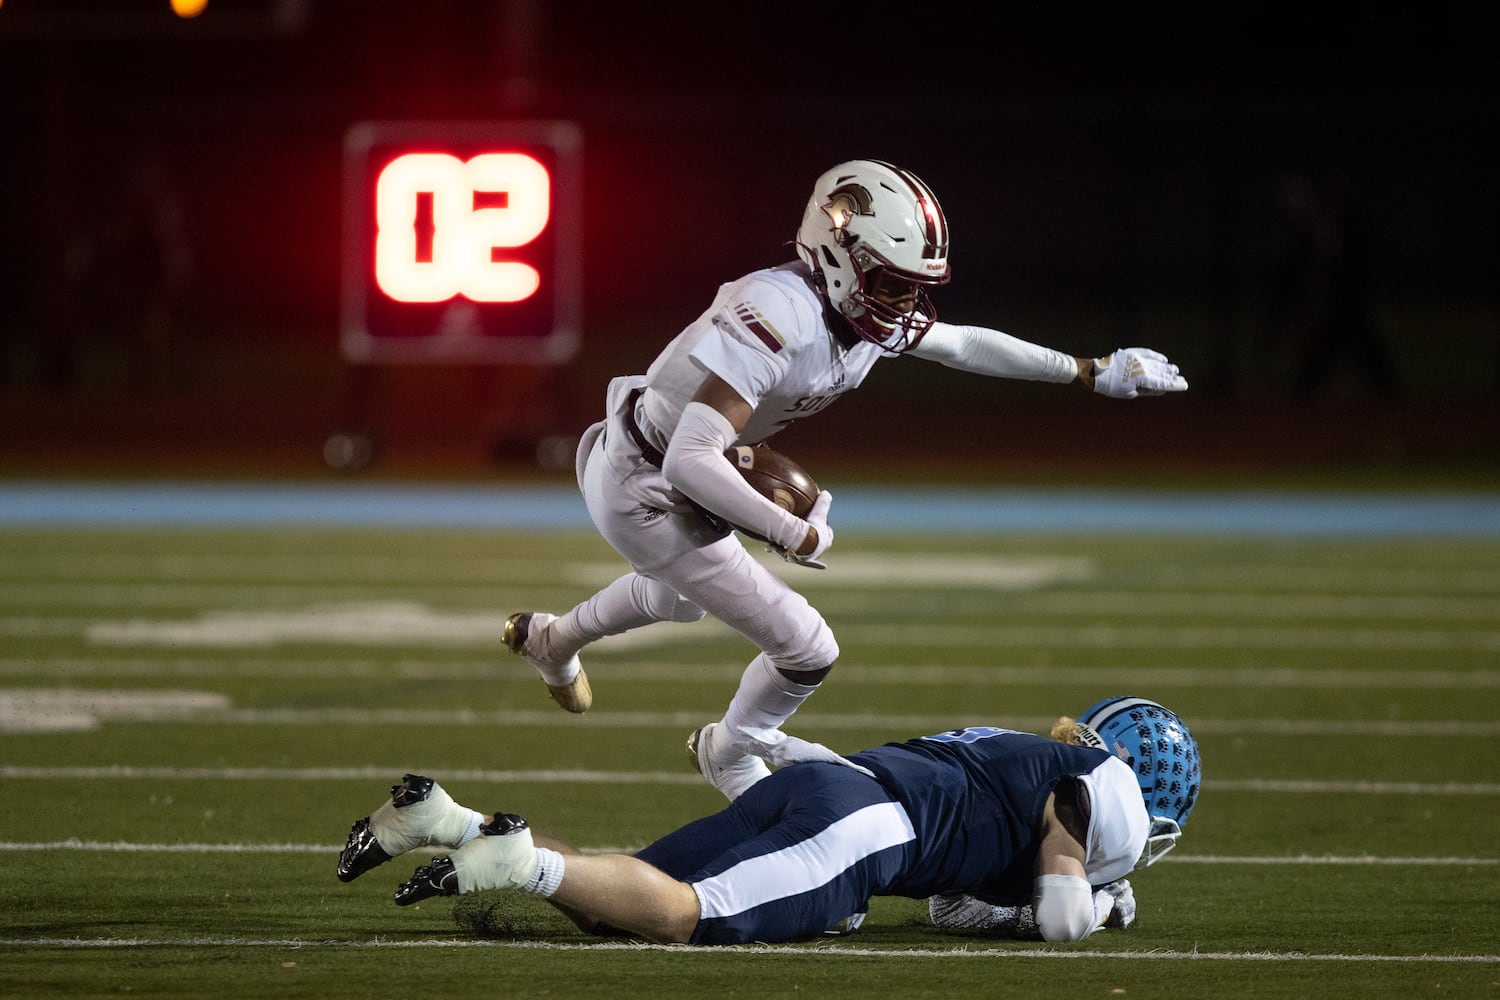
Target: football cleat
<point>575,695</point>
<point>437,879</point>
<point>418,813</point>
<point>501,857</point>
<point>849,925</point>
<point>361,852</point>
<point>729,770</point>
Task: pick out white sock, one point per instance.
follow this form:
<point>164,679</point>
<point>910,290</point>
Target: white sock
<point>764,701</point>
<point>476,820</point>
<point>548,875</point>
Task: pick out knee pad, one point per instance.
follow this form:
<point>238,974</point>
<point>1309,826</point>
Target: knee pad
<point>813,650</point>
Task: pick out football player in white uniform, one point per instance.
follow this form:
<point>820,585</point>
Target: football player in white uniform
<point>775,346</point>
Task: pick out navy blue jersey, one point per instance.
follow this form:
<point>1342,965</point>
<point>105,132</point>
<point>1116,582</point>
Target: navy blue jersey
<point>975,797</point>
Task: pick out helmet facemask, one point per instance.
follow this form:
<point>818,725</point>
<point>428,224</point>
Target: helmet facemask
<point>886,306</point>
<point>1161,838</point>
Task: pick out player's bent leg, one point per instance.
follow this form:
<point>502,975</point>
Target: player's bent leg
<point>798,650</point>
<point>714,573</point>
<point>419,813</point>
<point>732,753</point>
<point>619,891</point>
<point>551,644</point>
<point>831,838</point>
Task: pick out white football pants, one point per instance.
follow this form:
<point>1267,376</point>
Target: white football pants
<point>684,568</point>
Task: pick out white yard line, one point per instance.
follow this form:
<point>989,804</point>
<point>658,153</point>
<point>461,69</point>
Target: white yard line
<point>822,949</point>
<point>44,709</point>
<point>386,623</point>
<point>608,665</point>
<point>684,777</point>
<point>131,847</point>
<point>143,597</point>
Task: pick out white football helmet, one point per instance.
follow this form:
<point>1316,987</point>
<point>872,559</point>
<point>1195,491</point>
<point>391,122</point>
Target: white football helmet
<point>876,239</point>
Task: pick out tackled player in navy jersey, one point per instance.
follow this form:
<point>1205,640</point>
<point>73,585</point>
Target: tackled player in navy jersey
<point>1006,832</point>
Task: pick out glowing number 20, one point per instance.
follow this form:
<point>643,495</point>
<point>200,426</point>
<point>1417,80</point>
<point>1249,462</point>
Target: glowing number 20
<point>462,235</point>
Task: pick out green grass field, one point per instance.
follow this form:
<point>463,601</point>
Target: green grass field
<point>190,720</point>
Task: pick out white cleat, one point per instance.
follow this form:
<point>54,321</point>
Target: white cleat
<point>726,767</point>
<point>573,695</point>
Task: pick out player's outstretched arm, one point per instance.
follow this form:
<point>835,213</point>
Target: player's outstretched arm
<point>1125,374</point>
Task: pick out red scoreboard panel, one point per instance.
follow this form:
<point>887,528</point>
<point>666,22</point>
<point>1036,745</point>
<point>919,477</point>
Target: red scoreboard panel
<point>461,243</point>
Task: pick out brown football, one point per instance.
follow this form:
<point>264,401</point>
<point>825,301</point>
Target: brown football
<point>776,477</point>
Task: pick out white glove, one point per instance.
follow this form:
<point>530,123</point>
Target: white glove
<point>1122,910</point>
<point>1136,371</point>
<point>964,912</point>
<point>1114,906</point>
<point>818,518</point>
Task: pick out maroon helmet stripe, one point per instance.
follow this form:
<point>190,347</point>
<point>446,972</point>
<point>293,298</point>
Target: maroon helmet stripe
<point>937,226</point>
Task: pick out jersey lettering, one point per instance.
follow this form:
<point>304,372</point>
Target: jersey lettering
<point>808,405</point>
<point>970,734</point>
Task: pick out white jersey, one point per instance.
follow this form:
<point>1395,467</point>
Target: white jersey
<point>767,337</point>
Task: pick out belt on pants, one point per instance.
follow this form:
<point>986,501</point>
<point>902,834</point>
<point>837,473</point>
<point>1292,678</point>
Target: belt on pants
<point>653,455</point>
<point>649,452</point>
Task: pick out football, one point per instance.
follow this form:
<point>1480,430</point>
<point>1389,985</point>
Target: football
<point>776,477</point>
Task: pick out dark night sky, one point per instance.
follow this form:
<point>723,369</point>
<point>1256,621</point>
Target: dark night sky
<point>1119,159</point>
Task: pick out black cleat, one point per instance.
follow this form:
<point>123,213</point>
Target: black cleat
<point>414,788</point>
<point>362,851</point>
<point>437,879</point>
<point>503,824</point>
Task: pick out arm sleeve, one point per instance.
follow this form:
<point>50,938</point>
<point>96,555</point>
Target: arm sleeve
<point>989,352</point>
<point>695,463</point>
<point>1064,907</point>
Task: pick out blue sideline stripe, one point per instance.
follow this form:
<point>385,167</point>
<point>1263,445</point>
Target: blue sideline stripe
<point>546,508</point>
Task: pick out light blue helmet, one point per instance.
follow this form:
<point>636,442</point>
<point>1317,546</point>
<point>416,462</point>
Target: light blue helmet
<point>1163,754</point>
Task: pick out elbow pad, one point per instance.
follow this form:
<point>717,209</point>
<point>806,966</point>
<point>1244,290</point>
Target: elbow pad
<point>1064,907</point>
